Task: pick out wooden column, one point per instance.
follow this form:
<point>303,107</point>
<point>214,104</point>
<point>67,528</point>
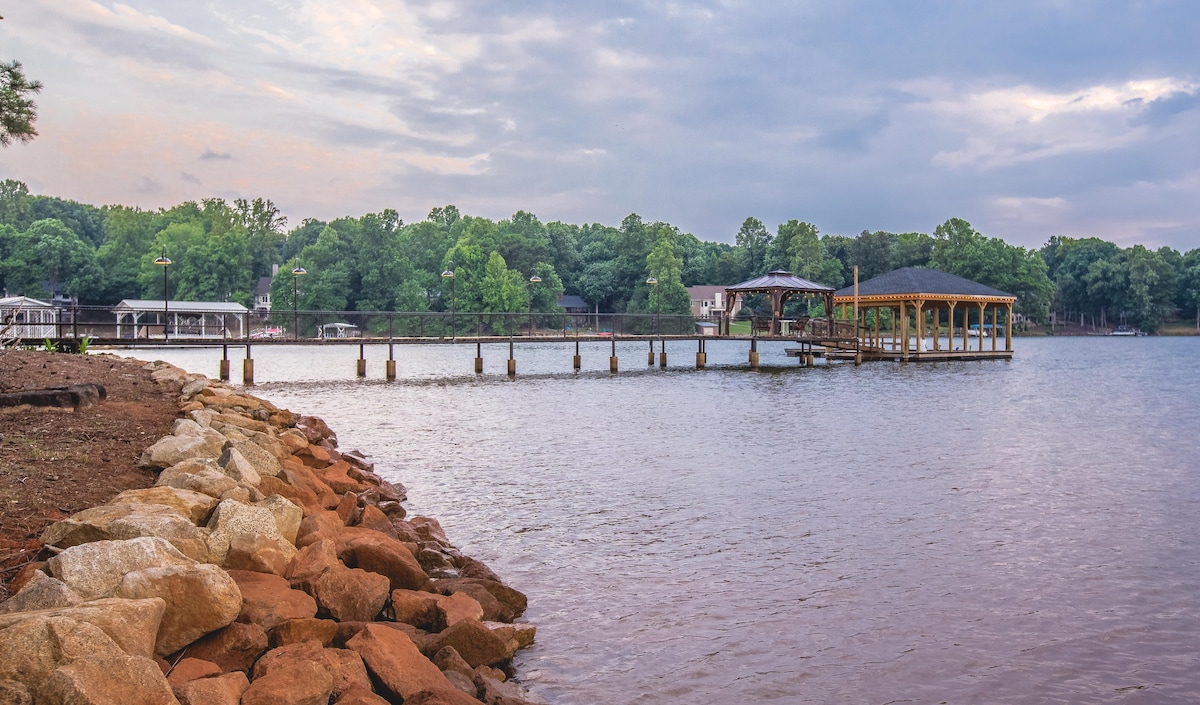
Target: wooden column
<point>995,315</point>
<point>935,319</point>
<point>982,326</point>
<point>1008,324</point>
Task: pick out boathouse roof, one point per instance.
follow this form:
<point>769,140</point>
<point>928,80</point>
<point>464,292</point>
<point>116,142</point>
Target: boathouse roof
<point>181,306</point>
<point>921,280</point>
<point>778,279</point>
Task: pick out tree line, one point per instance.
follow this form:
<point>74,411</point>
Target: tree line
<point>100,255</point>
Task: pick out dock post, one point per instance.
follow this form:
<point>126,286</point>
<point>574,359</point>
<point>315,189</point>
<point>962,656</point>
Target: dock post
<point>224,374</point>
<point>701,356</point>
<point>478,358</point>
<point>248,368</point>
<point>612,360</point>
<point>578,360</point>
<point>662,356</point>
<point>361,368</point>
<point>512,361</point>
<point>753,354</point>
<point>391,362</point>
<point>810,360</point>
<point>650,355</point>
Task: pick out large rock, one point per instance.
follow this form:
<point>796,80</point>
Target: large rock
<point>375,552</point>
<point>319,526</point>
<point>302,497</point>
<point>310,563</point>
<point>170,450</point>
<point>295,631</point>
<point>500,602</point>
<point>441,696</point>
<point>193,475</point>
<point>183,534</point>
<point>359,696</point>
<point>200,599</point>
<point>32,649</point>
<point>351,594</point>
<point>268,600</point>
<point>496,692</point>
<point>131,624</point>
<point>298,474</point>
<point>220,690</point>
<point>234,648</point>
<point>14,693</point>
<point>243,422</point>
<point>420,609</point>
<point>262,460</point>
<point>457,607</point>
<point>240,469</point>
<point>97,569</point>
<point>41,593</point>
<point>107,680</point>
<point>189,669</point>
<point>396,663</point>
<point>303,683</point>
<point>477,644</point>
<point>195,506</point>
<point>287,515</point>
<point>231,519</point>
<point>344,667</point>
<point>92,524</point>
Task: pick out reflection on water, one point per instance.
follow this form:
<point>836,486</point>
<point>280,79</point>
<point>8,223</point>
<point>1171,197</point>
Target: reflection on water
<point>964,532</point>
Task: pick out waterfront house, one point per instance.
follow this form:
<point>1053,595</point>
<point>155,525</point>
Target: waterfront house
<point>707,301</point>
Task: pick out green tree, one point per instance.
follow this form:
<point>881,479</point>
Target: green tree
<point>754,238</point>
<point>502,290</point>
<point>15,204</point>
<point>18,112</point>
<point>128,232</point>
<point>49,259</point>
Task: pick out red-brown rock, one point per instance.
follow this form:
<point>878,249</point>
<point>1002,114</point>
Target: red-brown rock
<point>344,667</point>
<point>375,552</point>
<point>417,608</point>
<point>473,641</point>
<point>189,669</point>
<point>234,648</point>
<point>301,683</point>
<point>316,430</point>
<point>338,479</point>
<point>351,594</point>
<point>373,518</point>
<point>359,696</point>
<point>268,600</point>
<point>500,602</point>
<point>396,662</point>
<point>302,476</point>
<point>314,456</point>
<point>107,679</point>
<point>310,563</point>
<point>347,507</point>
<point>300,496</point>
<point>441,696</point>
<point>294,631</point>
<point>219,690</point>
<point>319,526</point>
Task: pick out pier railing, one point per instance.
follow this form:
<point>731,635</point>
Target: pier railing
<point>104,324</point>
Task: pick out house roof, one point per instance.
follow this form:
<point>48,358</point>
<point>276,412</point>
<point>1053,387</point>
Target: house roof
<point>181,306</point>
<point>921,280</point>
<point>264,287</point>
<point>23,301</point>
<point>778,279</point>
<point>699,293</point>
<point>572,301</point>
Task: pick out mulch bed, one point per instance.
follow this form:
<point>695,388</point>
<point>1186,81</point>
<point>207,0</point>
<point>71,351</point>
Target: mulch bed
<point>56,462</point>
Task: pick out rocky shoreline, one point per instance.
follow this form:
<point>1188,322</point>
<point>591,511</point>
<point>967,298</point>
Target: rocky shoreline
<point>265,566</point>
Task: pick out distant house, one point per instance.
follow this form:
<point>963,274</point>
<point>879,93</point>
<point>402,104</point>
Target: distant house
<point>573,304</point>
<point>26,318</point>
<point>707,301</point>
<point>262,295</point>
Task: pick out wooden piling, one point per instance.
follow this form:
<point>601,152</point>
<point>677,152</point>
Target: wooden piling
<point>224,368</point>
<point>390,369</point>
<point>478,358</point>
<point>662,356</point>
<point>248,369</point>
<point>361,367</point>
<point>512,361</point>
<point>650,355</point>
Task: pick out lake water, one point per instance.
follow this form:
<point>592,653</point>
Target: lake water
<point>1000,532</point>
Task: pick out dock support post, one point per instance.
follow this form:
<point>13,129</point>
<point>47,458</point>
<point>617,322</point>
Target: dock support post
<point>224,373</point>
<point>512,362</point>
<point>361,367</point>
<point>650,355</point>
<point>662,356</point>
<point>248,368</point>
<point>390,372</point>
<point>478,358</point>
<point>753,354</point>
<point>810,360</point>
<point>701,356</point>
<point>578,361</point>
<point>612,360</point>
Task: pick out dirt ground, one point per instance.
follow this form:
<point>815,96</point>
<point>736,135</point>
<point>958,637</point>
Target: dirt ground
<point>54,463</point>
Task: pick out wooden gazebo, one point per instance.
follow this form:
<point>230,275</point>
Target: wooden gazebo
<point>922,294</point>
<point>780,285</point>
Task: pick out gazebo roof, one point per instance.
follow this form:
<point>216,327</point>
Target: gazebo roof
<point>778,279</point>
<point>181,306</point>
<point>909,281</point>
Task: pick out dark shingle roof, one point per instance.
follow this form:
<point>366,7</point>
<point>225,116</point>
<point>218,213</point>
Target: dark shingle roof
<point>920,280</point>
<point>779,279</point>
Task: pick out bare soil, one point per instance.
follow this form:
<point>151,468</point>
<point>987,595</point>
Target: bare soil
<point>56,462</point>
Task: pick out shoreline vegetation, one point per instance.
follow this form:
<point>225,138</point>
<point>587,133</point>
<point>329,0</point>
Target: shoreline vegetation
<point>251,561</point>
<point>216,251</point>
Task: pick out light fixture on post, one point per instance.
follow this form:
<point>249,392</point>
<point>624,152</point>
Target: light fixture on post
<point>533,281</point>
<point>653,284</point>
<point>449,275</point>
<point>297,272</point>
<point>163,262</point>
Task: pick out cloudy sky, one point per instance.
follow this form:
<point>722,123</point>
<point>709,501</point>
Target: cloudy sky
<point>1030,119</point>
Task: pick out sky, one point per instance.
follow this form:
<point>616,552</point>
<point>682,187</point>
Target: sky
<point>1027,118</point>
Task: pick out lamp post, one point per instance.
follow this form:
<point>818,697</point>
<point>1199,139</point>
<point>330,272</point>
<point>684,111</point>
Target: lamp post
<point>449,275</point>
<point>163,262</point>
<point>297,272</point>
<point>653,284</point>
<point>533,281</point>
